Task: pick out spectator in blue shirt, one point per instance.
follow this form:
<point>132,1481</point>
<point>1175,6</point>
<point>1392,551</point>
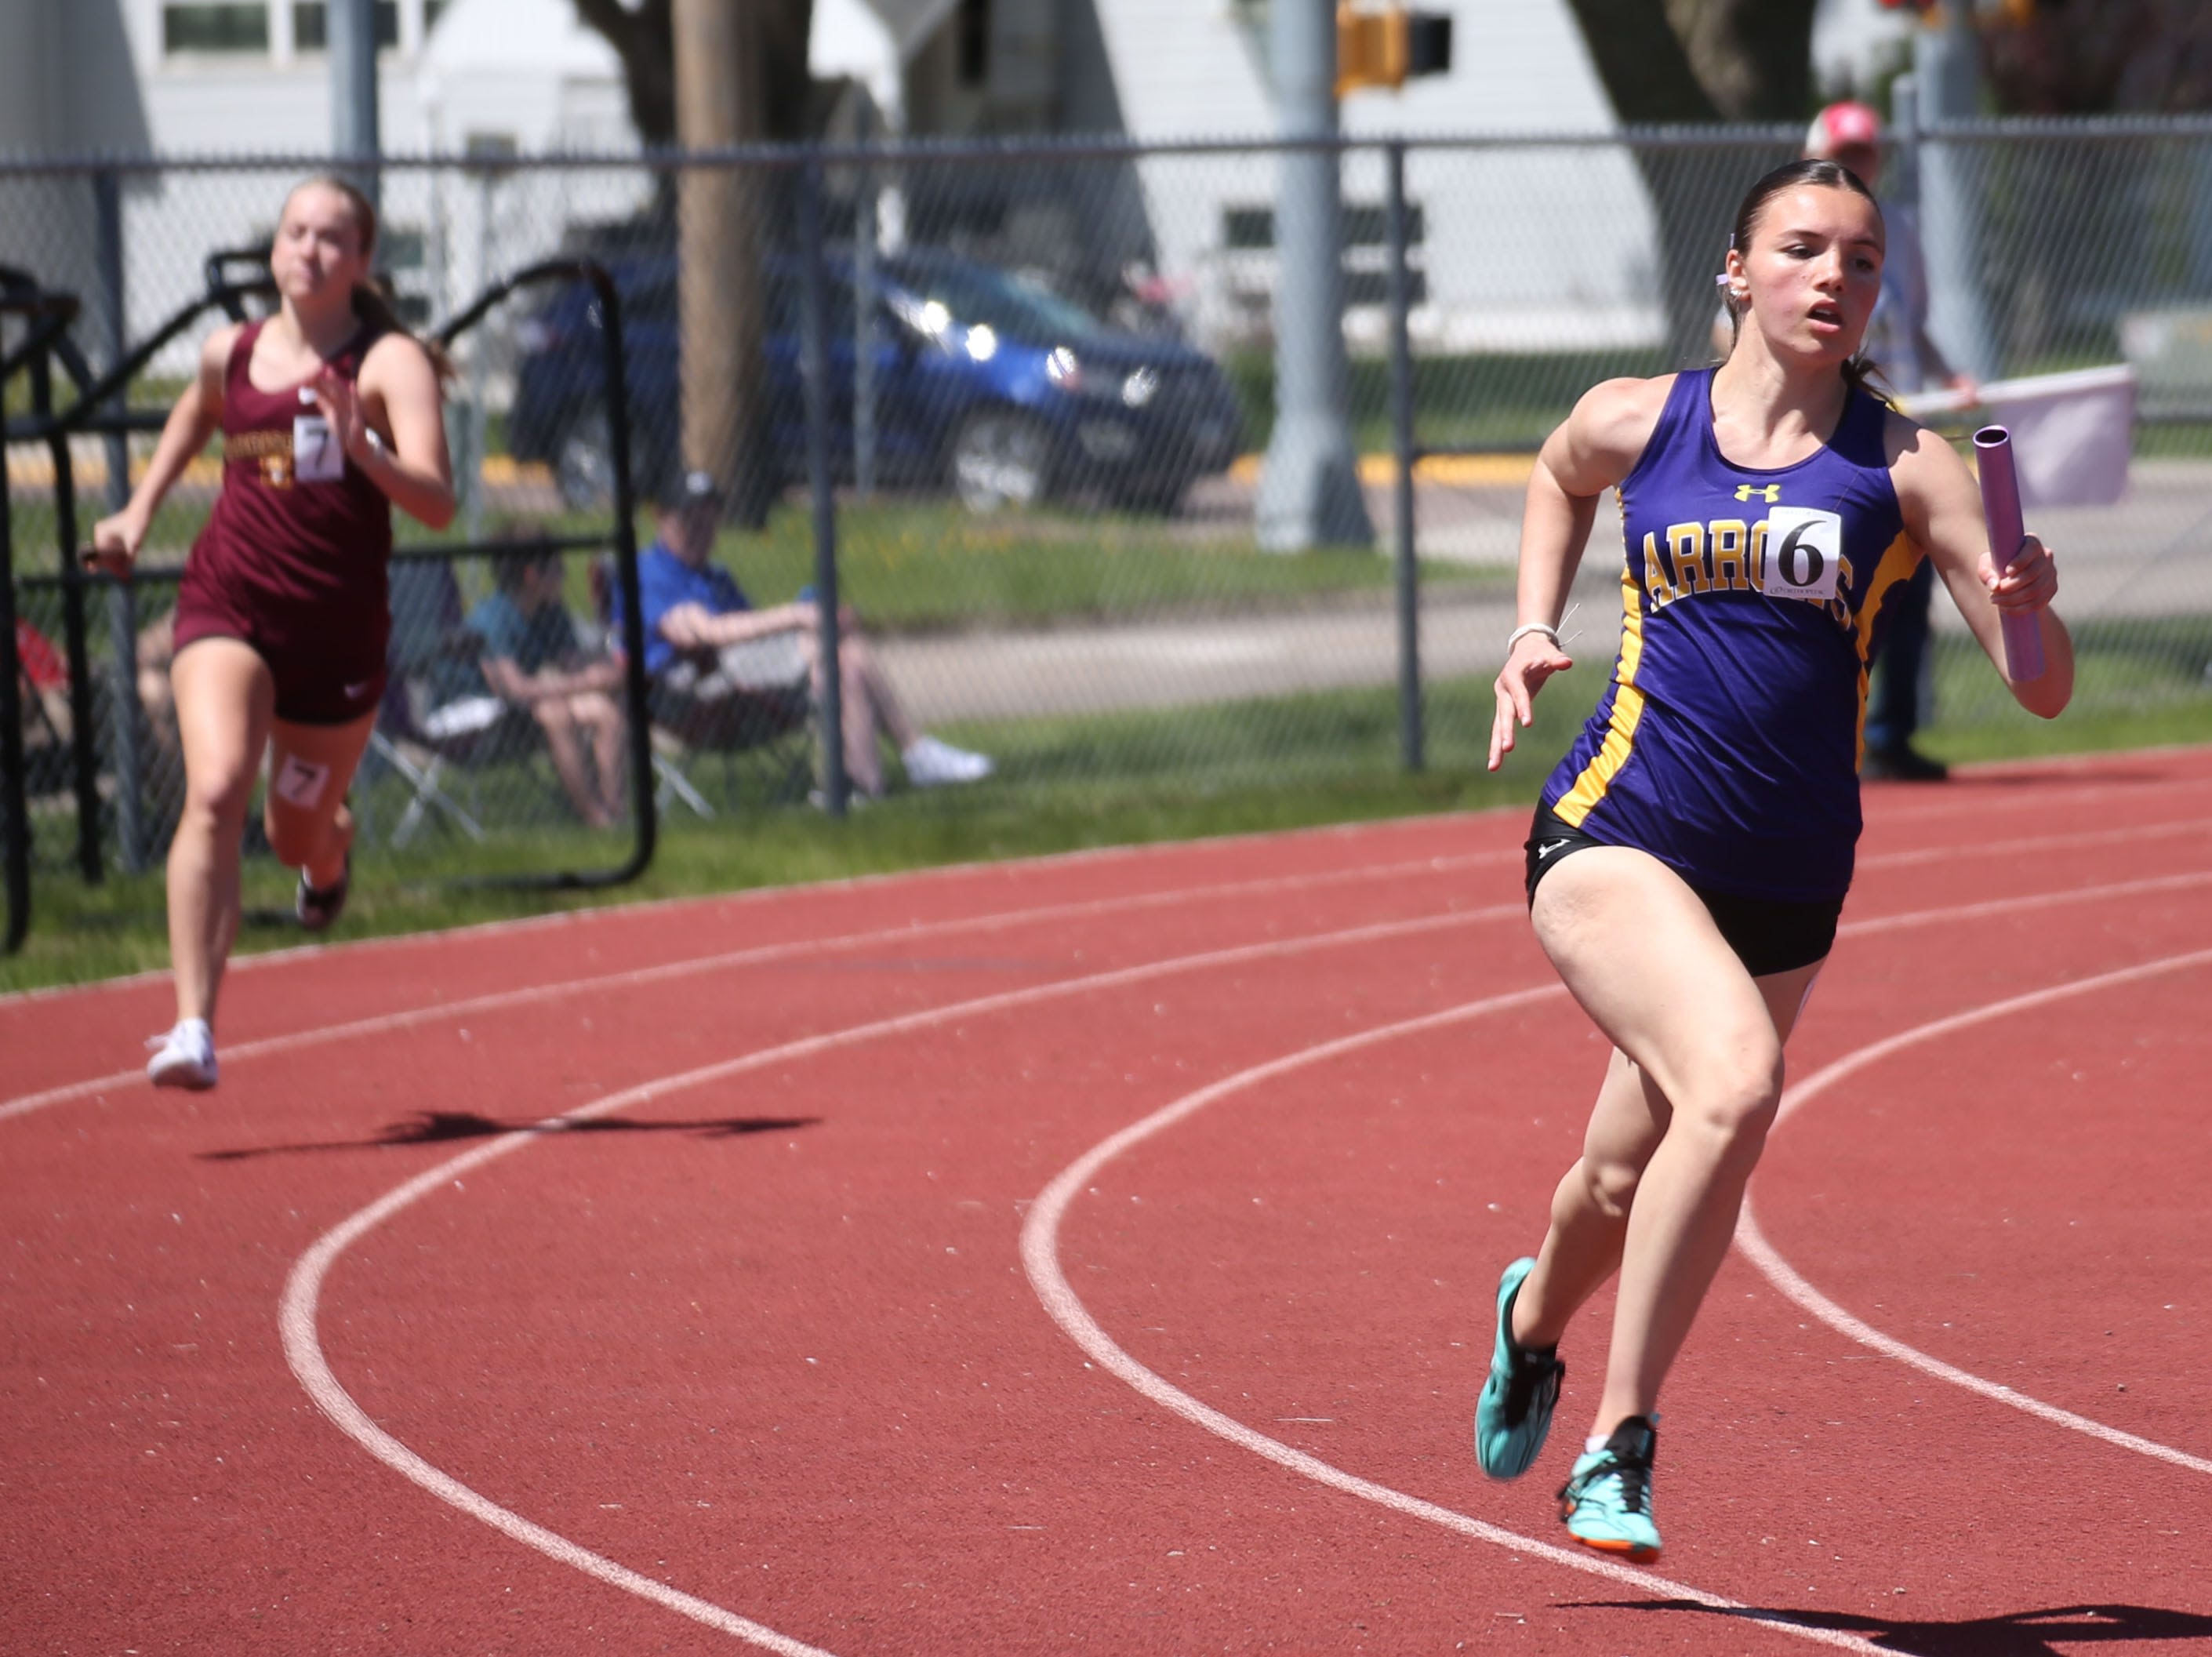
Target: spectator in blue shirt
<point>725,674</point>
<point>533,659</point>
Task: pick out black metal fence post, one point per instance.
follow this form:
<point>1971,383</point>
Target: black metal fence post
<point>615,389</point>
<point>45,315</point>
<point>645,806</point>
<point>1401,441</point>
<point>14,827</point>
<point>127,718</point>
<point>84,746</point>
<point>812,284</point>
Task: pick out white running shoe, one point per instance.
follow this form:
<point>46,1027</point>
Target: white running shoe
<point>183,1058</point>
<point>931,764</point>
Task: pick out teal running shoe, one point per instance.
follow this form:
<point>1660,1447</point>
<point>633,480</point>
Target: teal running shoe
<point>1607,1503</point>
<point>1513,1417</point>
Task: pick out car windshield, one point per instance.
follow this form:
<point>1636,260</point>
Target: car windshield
<point>1019,308</point>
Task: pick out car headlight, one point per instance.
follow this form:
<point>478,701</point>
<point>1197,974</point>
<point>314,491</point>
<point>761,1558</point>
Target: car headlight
<point>929,319</point>
<point>1065,370</point>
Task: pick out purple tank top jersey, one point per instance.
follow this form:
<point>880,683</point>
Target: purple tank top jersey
<point>1728,743</point>
<point>299,533</point>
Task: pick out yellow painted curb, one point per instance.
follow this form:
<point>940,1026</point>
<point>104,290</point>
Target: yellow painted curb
<point>30,468</point>
<point>1452,470</point>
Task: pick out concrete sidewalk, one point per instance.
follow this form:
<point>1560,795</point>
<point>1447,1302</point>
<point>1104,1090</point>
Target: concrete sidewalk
<point>1168,663</point>
<point>2147,556</point>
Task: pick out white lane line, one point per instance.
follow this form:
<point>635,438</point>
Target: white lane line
<point>1041,1259</point>
<point>304,1351</point>
<point>1785,1277</point>
<point>2027,771</point>
<point>499,1000</point>
<point>693,965</point>
<point>2019,904</point>
<point>936,872</point>
<point>1939,804</point>
<point>1980,851</point>
<point>303,1288</point>
<point>296,1311</point>
<point>2059,785</point>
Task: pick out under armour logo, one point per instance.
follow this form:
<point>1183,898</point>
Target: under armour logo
<point>1768,492</point>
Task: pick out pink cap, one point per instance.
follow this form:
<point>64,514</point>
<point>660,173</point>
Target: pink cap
<point>1845,125</point>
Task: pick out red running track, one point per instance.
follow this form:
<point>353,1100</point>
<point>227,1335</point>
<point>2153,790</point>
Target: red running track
<point>1095,1254</point>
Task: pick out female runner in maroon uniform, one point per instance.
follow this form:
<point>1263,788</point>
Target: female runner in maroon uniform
<point>330,414</point>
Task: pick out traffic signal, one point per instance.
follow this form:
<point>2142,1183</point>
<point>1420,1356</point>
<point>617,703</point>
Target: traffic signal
<point>1386,46</point>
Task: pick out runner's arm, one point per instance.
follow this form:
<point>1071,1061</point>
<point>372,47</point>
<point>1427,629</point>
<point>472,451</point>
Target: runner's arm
<point>1592,450</point>
<point>1942,508</point>
<point>196,418</point>
<point>407,460</point>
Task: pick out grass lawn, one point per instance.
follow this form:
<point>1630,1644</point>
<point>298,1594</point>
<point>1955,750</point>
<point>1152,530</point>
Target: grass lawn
<point>1066,783</point>
<point>921,565</point>
<point>916,565</point>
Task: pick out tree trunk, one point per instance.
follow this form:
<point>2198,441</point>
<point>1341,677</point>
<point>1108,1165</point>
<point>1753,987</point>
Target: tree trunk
<point>1753,59</point>
<point>644,39</point>
<point>1670,63</point>
<point>722,229</point>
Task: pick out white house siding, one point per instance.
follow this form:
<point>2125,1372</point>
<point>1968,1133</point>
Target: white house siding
<point>524,73</point>
<point>1526,249</point>
<point>65,87</point>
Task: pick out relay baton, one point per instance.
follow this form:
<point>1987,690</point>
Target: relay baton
<point>2023,633</point>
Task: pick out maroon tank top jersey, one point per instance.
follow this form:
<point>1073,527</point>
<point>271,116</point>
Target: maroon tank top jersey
<point>292,558</point>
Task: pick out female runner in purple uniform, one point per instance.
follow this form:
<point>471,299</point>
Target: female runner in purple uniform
<point>330,415</point>
<point>1692,852</point>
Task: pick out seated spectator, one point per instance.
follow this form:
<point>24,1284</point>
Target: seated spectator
<point>723,671</point>
<point>532,659</point>
<point>42,684</point>
<point>156,648</point>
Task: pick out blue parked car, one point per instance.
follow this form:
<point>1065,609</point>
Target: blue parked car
<point>983,382</point>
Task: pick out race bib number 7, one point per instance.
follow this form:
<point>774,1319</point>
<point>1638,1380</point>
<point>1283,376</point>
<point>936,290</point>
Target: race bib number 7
<point>317,456</point>
<point>1804,554</point>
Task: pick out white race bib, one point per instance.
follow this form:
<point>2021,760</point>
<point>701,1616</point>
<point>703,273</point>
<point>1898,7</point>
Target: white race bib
<point>317,455</point>
<point>299,781</point>
<point>1804,555</point>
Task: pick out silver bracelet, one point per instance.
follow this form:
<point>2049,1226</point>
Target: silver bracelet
<point>1528,627</point>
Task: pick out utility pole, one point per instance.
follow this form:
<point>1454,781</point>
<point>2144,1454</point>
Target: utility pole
<point>1946,75</point>
<point>721,88</point>
<point>1309,484</point>
<point>352,25</point>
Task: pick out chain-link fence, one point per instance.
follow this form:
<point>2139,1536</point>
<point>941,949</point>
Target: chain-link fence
<point>1049,383</point>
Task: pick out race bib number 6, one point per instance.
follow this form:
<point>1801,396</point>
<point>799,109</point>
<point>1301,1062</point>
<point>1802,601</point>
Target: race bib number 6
<point>1804,554</point>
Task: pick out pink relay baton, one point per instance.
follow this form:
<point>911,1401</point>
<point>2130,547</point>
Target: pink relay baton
<point>2023,634</point>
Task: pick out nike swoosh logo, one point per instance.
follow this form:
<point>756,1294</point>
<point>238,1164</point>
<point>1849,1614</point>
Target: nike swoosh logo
<point>1542,852</point>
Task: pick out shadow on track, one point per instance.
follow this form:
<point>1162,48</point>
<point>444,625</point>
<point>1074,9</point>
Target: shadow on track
<point>2016,1634</point>
<point>448,1127</point>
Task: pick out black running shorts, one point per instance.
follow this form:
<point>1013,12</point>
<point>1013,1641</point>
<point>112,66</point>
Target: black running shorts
<point>1769,935</point>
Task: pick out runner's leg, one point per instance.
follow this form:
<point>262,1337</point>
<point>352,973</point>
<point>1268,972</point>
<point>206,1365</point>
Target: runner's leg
<point>225,700</point>
<point>1701,1044</point>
